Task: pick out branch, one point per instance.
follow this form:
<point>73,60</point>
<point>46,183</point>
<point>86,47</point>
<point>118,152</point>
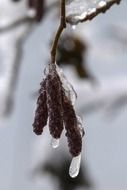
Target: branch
<point>59,31</point>
<point>74,19</point>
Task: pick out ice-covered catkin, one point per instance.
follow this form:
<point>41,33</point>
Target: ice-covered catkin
<point>41,113</point>
<point>72,131</point>
<point>54,104</point>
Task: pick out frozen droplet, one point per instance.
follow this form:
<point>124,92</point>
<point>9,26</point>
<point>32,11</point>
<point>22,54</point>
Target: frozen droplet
<point>75,166</point>
<point>55,143</point>
<point>73,27</point>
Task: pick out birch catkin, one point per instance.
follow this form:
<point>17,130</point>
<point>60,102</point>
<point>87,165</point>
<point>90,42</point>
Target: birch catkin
<point>72,131</point>
<point>54,104</point>
<point>41,113</point>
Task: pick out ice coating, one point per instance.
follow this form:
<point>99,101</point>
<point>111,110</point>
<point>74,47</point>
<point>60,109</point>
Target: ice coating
<point>80,123</point>
<point>69,90</point>
<point>47,69</point>
<point>79,10</point>
<point>75,166</point>
<point>55,143</point>
<point>80,6</point>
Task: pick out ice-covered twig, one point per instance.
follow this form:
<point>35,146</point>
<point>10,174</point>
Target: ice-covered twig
<point>80,11</point>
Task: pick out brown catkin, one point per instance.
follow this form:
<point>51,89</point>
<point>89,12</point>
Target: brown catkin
<point>41,113</point>
<point>72,130</point>
<point>54,104</point>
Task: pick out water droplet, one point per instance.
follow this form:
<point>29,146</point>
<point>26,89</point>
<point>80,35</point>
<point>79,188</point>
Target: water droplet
<point>73,27</point>
<point>75,166</point>
<point>55,143</point>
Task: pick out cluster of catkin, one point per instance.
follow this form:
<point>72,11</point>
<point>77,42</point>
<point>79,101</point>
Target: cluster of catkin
<point>54,105</point>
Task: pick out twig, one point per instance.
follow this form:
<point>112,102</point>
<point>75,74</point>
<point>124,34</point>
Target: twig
<point>70,19</point>
<point>59,31</point>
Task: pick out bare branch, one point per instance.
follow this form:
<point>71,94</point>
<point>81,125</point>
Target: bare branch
<point>59,31</point>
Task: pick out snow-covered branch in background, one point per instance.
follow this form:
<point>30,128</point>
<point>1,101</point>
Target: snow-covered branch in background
<point>17,19</point>
<point>11,53</point>
<point>11,38</point>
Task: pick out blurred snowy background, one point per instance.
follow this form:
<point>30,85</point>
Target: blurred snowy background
<point>27,161</point>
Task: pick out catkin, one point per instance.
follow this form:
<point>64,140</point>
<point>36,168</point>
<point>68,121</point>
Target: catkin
<point>72,130</point>
<point>41,113</point>
<point>54,104</point>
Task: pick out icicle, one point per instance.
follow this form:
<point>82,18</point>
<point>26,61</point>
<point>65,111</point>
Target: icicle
<point>55,143</point>
<point>73,27</point>
<point>75,166</point>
